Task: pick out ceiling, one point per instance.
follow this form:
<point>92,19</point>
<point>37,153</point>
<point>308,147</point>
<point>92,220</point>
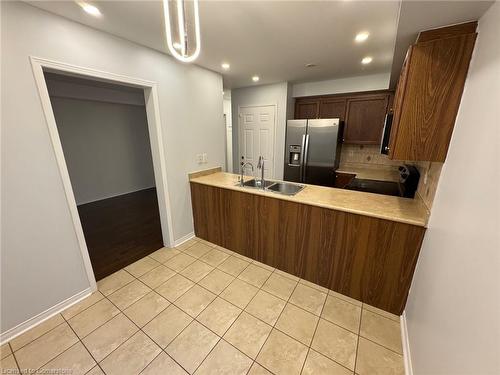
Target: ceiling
<point>272,39</point>
<point>276,39</point>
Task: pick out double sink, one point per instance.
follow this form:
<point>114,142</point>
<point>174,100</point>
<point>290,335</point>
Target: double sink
<point>284,188</point>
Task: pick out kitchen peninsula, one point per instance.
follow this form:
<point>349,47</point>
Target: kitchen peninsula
<point>359,244</point>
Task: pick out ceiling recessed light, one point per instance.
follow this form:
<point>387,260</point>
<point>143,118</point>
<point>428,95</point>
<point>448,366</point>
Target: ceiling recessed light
<point>361,37</point>
<point>225,66</point>
<point>255,78</point>
<point>177,45</point>
<point>367,60</point>
<point>90,9</point>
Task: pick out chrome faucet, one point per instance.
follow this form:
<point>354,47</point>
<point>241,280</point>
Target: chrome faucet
<point>243,165</point>
<point>260,165</point>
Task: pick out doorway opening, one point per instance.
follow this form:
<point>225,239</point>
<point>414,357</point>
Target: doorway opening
<point>151,203</point>
<point>104,135</point>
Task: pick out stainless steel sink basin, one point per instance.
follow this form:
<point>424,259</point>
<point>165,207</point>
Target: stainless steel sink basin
<point>253,183</point>
<point>285,188</point>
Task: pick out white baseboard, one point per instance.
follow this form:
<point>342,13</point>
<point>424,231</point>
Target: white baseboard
<point>43,316</point>
<point>183,239</point>
<point>406,345</point>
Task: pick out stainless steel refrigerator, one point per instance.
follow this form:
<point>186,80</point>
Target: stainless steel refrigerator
<point>312,151</point>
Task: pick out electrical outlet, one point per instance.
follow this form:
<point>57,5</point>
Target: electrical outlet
<point>199,158</point>
<point>204,158</point>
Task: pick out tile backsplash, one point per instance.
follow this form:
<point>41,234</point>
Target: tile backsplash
<point>429,178</point>
<point>369,156</point>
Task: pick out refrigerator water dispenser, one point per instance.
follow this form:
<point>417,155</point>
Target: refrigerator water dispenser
<point>294,155</point>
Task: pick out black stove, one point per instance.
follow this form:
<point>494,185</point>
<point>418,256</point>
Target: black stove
<point>375,186</point>
<point>406,187</point>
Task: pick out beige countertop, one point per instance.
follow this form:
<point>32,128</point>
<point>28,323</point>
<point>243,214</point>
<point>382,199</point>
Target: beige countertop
<point>371,173</point>
<point>404,210</point>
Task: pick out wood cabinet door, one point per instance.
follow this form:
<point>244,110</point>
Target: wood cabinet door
<point>398,101</point>
<point>306,109</point>
<point>332,108</point>
<point>365,119</point>
<point>427,103</point>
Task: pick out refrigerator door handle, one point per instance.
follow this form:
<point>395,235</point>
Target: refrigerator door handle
<point>305,157</point>
<point>303,144</point>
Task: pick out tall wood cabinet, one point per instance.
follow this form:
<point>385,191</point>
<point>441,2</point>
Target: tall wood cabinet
<point>363,113</point>
<point>429,92</point>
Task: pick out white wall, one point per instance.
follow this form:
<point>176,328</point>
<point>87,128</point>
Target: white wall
<point>41,264</point>
<point>106,147</point>
<point>275,94</point>
<point>453,311</point>
<point>343,85</point>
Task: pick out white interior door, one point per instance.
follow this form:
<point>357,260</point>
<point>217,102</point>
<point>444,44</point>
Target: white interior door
<point>256,136</point>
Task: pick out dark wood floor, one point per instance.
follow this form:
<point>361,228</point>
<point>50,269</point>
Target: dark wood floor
<point>121,230</point>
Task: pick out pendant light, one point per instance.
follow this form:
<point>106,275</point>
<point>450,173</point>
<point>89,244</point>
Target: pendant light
<point>182,26</point>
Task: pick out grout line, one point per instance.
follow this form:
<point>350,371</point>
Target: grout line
<point>164,350</point>
<point>383,316</point>
<point>314,333</point>
<point>145,333</point>
<point>64,351</point>
<point>100,325</point>
<point>152,269</point>
<point>379,344</point>
<point>159,354</point>
<point>267,338</point>
<point>154,317</point>
<point>88,307</point>
<point>357,343</point>
<point>124,285</point>
<point>286,302</point>
<point>240,313</point>
<point>139,329</point>
<point>36,338</point>
<point>15,359</point>
<point>83,344</point>
<point>211,350</point>
<point>243,310</point>
<point>344,299</point>
<point>80,339</point>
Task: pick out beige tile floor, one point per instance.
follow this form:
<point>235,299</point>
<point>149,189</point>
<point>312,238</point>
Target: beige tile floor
<point>202,309</point>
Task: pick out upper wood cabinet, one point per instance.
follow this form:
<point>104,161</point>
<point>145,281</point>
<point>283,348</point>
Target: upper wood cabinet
<point>363,113</point>
<point>306,109</point>
<point>365,119</point>
<point>332,108</point>
<point>429,92</point>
